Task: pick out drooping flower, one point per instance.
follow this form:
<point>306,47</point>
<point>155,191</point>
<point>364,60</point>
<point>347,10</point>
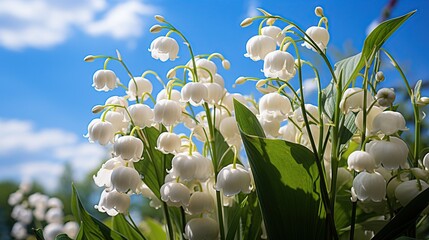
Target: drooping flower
<point>391,154</point>
<point>196,93</point>
<point>214,92</point>
<point>353,100</point>
<point>385,97</point>
<point>279,64</point>
<point>52,230</point>
<point>319,35</point>
<point>129,148</point>
<point>408,190</point>
<point>202,228</point>
<point>174,95</point>
<point>274,32</point>
<point>175,194</point>
<point>117,119</point>
<point>154,201</point>
<point>141,114</point>
<point>370,115</point>
<point>99,131</point>
<point>137,87</point>
<point>206,70</point>
<point>184,166</point>
<point>104,80</point>
<point>389,122</point>
<point>229,129</point>
<point>233,180</point>
<point>200,202</point>
<point>54,215</point>
<point>360,161</point>
<point>167,112</point>
<point>369,186</point>
<point>168,142</point>
<point>274,105</point>
<point>113,202</point>
<point>164,48</point>
<point>125,179</point>
<point>71,228</point>
<point>259,46</point>
<point>102,179</point>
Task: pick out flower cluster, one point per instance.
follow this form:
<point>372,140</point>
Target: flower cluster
<point>36,209</point>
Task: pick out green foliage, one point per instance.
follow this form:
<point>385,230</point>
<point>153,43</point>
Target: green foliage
<point>286,179</point>
<point>120,224</point>
<point>154,230</point>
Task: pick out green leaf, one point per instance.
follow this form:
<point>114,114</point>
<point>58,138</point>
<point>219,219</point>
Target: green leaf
<point>287,182</point>
<point>120,224</point>
<point>234,220</point>
<point>406,217</point>
<point>154,164</point>
<point>154,230</point>
<point>224,153</point>
<point>39,234</point>
<point>62,236</point>
<point>91,227</point>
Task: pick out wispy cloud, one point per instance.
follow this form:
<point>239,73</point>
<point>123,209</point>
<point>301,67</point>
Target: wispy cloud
<point>41,154</point>
<point>309,86</point>
<point>46,23</point>
<point>251,8</point>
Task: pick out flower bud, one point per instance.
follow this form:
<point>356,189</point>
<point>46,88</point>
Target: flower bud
<point>318,11</point>
<point>246,22</point>
<point>171,73</point>
<point>97,108</point>
<point>420,173</point>
<point>423,101</point>
<point>52,230</point>
<point>118,54</point>
<point>379,76</point>
<point>71,229</point>
<point>271,21</point>
<point>226,64</point>
<point>54,215</point>
<point>155,28</point>
<point>385,97</point>
<point>160,18</point>
<point>89,58</point>
<point>241,80</point>
<point>426,161</point>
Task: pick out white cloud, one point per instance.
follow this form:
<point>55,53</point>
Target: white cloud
<point>309,86</point>
<point>46,23</point>
<point>41,154</point>
<point>251,9</point>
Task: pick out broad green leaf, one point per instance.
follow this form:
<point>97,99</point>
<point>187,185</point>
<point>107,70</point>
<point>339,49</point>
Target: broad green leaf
<point>62,236</point>
<point>406,217</point>
<point>39,234</point>
<point>91,227</point>
<point>252,218</point>
<point>154,164</point>
<point>120,224</point>
<point>287,182</point>
<point>154,230</point>
<point>234,219</point>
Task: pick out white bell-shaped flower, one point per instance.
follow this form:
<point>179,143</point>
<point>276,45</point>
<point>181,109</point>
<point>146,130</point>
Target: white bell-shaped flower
<point>408,190</point>
<point>228,128</point>
<point>71,228</point>
<point>214,92</point>
<point>102,179</point>
<point>51,230</point>
<point>353,100</point>
<point>168,142</point>
<point>233,180</point>
<point>270,124</point>
<point>22,214</point>
<point>113,202</point>
<point>204,167</point>
<point>201,228</point>
<point>167,112</point>
<point>369,118</point>
<point>370,186</point>
<point>141,114</point>
<point>219,80</point>
<point>389,123</point>
<point>219,115</point>
<point>38,200</point>
<point>129,148</point>
<point>175,194</point>
<point>289,132</point>
<point>154,201</point>
<point>163,94</point>
<point>311,111</point>
<point>184,166</point>
<point>276,105</point>
<point>361,160</point>
<point>19,231</point>
<point>259,46</point>
<point>391,154</point>
<point>319,35</point>
<point>116,100</point>
<point>137,87</point>
<point>200,202</point>
<point>54,215</point>
<point>385,97</point>
<point>118,120</point>
<point>206,70</point>
<point>55,203</point>
<point>164,48</point>
<point>279,64</point>
<point>196,93</point>
<point>101,132</point>
<point>104,80</point>
<point>228,100</point>
<point>126,178</point>
<point>15,198</point>
<point>274,32</point>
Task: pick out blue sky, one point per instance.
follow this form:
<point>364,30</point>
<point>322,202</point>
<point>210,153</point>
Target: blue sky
<point>46,87</point>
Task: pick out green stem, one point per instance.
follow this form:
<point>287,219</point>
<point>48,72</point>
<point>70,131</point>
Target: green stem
<point>170,229</point>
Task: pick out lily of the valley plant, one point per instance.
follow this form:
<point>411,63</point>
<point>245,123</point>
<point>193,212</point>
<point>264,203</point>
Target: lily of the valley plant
<point>336,170</point>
